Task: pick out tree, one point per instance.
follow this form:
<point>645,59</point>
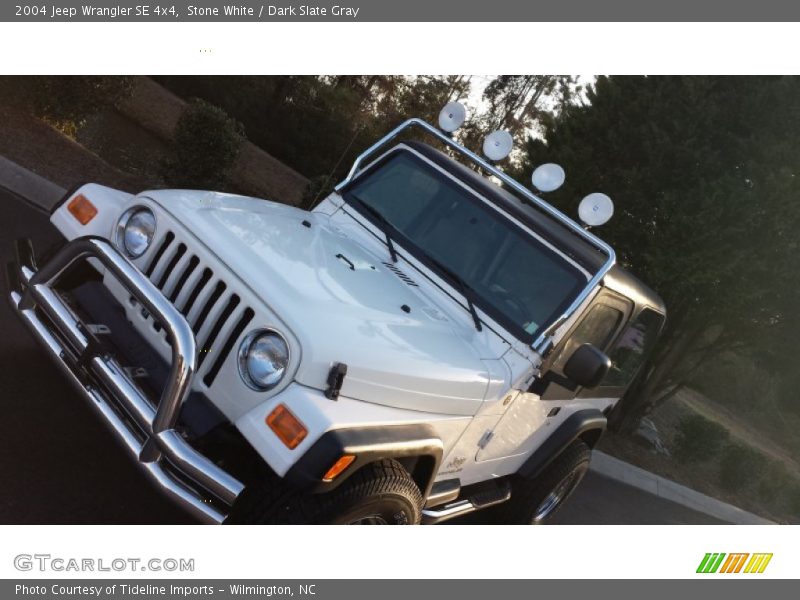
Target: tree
<point>318,125</point>
<point>520,104</point>
<point>704,174</point>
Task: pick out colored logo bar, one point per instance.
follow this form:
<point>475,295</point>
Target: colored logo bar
<point>741,562</point>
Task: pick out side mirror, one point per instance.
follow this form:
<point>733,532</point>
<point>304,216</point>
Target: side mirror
<point>587,366</point>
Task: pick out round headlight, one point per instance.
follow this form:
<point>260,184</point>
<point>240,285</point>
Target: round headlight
<point>263,359</point>
<point>135,231</point>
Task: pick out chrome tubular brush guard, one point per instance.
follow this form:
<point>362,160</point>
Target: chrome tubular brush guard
<point>148,431</point>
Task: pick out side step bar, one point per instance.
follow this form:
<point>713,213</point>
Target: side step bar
<point>478,501</point>
<point>443,492</point>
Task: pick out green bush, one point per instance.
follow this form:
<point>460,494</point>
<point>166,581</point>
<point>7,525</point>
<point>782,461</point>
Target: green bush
<point>207,142</point>
<point>67,99</point>
<point>740,466</point>
<point>698,439</point>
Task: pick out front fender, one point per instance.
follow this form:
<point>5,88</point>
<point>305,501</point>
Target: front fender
<point>370,431</point>
<point>108,202</point>
<point>586,424</point>
<point>415,446</point>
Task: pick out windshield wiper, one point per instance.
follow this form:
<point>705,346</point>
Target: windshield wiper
<point>385,226</point>
<point>464,288</point>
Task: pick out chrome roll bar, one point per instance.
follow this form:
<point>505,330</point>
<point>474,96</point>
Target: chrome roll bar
<point>148,431</point>
<point>542,343</point>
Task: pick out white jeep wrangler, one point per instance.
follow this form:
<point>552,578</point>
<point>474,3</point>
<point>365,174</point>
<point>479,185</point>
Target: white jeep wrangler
<point>423,344</point>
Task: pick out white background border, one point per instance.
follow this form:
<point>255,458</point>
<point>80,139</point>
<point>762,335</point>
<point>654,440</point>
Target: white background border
<point>457,551</point>
<point>346,48</point>
<point>323,48</point>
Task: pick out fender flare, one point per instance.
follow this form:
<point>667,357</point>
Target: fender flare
<point>588,424</point>
<point>415,446</point>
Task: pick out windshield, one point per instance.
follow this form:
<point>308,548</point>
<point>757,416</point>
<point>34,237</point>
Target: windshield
<point>511,275</point>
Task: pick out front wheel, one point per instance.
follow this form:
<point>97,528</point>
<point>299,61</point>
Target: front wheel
<point>534,502</point>
<point>381,493</point>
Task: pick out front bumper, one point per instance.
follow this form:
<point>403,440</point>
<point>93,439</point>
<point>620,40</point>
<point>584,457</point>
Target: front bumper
<point>147,428</point>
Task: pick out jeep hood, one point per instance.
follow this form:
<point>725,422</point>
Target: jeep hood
<point>344,305</point>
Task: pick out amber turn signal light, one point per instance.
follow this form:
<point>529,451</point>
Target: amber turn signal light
<point>340,465</point>
<point>80,208</point>
<point>286,426</point>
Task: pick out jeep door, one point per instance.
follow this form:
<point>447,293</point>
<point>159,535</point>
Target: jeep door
<point>535,413</point>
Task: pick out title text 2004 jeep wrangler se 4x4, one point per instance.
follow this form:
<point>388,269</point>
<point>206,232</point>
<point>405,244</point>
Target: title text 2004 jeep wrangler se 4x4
<point>424,343</point>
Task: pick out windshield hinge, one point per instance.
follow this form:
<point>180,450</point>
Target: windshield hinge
<point>485,439</point>
<point>335,380</point>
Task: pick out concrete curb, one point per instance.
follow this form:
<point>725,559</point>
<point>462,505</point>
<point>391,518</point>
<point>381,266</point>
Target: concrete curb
<point>619,470</point>
<point>33,188</point>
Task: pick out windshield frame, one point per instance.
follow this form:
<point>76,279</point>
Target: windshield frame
<point>419,253</point>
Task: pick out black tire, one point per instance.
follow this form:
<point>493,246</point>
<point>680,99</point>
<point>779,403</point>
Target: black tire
<point>535,501</point>
<point>261,503</point>
<point>381,493</point>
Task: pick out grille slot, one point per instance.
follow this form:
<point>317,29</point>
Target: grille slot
<point>198,287</point>
<point>238,329</point>
<point>219,289</point>
<point>403,277</point>
<point>193,262</point>
<point>208,345</point>
<point>171,266</point>
<point>163,248</point>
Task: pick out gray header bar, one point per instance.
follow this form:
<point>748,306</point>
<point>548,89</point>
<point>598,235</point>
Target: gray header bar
<point>152,11</point>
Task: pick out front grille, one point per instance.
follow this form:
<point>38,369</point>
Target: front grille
<point>214,311</point>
